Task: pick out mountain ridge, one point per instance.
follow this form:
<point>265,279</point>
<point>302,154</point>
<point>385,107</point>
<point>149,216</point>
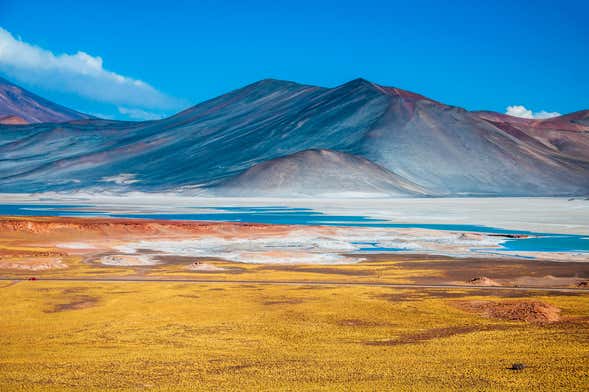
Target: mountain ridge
<point>442,148</point>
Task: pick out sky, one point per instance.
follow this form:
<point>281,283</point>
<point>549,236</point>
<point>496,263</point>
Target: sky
<point>145,59</point>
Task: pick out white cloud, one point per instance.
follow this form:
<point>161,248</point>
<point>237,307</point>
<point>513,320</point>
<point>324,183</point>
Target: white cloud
<point>544,114</point>
<point>79,73</point>
<point>139,114</point>
<point>521,111</point>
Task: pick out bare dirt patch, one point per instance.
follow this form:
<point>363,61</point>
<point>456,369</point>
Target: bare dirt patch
<point>482,281</point>
<point>33,263</point>
<point>204,267</point>
<point>545,281</point>
<point>188,262</point>
<point>79,302</point>
<point>528,311</point>
<point>127,260</point>
<point>435,333</point>
<point>505,271</point>
<point>283,301</point>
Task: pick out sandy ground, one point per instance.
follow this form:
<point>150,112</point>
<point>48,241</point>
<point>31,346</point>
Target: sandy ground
<point>254,251</point>
<point>495,272</point>
<point>127,260</point>
<point>124,239</point>
<point>32,263</point>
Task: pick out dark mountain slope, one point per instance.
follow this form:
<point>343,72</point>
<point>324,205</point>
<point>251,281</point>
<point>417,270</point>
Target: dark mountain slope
<point>444,149</point>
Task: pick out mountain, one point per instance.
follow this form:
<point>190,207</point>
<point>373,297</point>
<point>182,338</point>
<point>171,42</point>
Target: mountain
<point>318,173</point>
<point>208,148</point>
<point>19,106</point>
<point>566,134</point>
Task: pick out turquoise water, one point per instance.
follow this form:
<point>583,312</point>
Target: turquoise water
<point>269,215</point>
<point>542,242</point>
<point>550,243</point>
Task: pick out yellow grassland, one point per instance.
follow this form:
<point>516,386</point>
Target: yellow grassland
<point>96,336</point>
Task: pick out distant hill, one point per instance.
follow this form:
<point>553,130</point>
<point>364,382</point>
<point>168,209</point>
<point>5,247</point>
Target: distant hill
<point>19,106</point>
<point>248,139</point>
<point>318,173</point>
<point>566,134</point>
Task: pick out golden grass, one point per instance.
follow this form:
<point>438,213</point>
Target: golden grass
<point>181,336</point>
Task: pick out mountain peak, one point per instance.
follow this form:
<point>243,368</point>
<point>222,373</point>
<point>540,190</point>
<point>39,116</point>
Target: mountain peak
<point>391,91</point>
<point>269,86</point>
<point>360,83</point>
<point>271,83</point>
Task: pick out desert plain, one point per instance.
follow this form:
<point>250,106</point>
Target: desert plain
<point>95,303</point>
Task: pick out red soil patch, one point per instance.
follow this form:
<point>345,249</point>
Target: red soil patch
<point>112,226</point>
<point>53,231</point>
<point>529,311</point>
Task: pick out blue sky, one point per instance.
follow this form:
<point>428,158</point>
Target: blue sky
<point>158,58</point>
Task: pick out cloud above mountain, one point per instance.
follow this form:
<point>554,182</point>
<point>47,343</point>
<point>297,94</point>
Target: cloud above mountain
<point>139,114</point>
<point>80,73</point>
<point>523,112</point>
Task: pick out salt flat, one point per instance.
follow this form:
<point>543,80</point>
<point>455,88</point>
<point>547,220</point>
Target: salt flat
<point>542,214</point>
